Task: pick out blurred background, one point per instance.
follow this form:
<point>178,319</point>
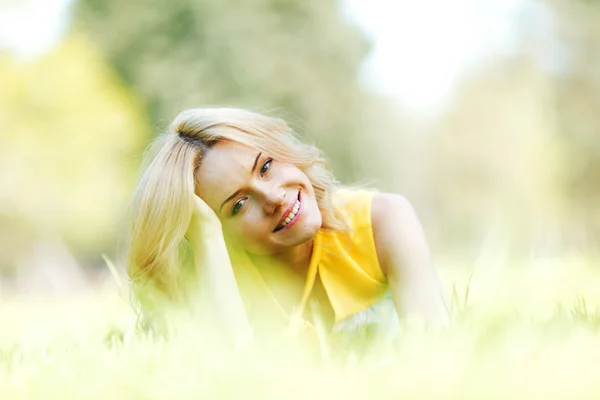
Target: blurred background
<point>485,114</point>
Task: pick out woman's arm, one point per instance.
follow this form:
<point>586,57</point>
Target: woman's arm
<point>214,272</point>
<point>405,259</point>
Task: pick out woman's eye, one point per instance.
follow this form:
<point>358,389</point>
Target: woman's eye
<point>265,167</point>
<point>238,206</point>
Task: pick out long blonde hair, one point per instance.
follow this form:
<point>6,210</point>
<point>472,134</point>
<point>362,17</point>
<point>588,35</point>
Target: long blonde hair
<point>156,250</point>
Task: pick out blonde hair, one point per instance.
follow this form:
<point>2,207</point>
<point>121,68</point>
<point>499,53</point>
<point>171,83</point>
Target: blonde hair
<point>156,250</point>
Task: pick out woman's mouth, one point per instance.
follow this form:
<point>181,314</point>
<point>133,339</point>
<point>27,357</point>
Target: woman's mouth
<point>291,215</point>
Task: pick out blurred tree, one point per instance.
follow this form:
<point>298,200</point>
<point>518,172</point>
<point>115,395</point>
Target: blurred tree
<point>576,32</point>
<point>302,56</point>
<point>495,156</point>
<point>521,145</point>
<point>68,132</point>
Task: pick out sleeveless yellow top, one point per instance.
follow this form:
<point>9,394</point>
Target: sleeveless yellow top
<point>344,263</point>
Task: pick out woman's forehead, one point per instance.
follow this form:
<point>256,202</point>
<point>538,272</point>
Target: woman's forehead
<point>228,156</point>
<point>224,168</point>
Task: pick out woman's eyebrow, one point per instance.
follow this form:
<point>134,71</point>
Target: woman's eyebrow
<point>229,198</point>
<point>256,161</point>
<point>237,191</point>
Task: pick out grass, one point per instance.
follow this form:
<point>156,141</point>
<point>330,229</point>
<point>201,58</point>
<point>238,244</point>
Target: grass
<point>518,331</point>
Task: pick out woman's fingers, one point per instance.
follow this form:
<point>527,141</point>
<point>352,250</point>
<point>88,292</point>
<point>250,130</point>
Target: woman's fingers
<point>203,210</point>
<point>204,225</point>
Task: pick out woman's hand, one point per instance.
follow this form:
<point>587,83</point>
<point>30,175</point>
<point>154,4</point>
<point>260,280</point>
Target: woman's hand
<point>205,227</point>
<point>214,272</point>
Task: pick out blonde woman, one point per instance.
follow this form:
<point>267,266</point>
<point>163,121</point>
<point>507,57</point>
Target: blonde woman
<point>233,210</point>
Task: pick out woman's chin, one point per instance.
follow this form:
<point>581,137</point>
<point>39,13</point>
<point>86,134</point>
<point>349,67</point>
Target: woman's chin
<point>304,230</point>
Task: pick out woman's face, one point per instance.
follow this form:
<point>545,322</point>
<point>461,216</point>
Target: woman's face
<point>265,205</point>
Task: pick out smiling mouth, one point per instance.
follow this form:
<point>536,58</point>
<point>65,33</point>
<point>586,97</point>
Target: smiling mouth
<point>291,215</point>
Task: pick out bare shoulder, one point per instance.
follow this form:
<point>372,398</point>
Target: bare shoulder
<point>396,229</point>
<point>389,210</point>
<point>384,203</point>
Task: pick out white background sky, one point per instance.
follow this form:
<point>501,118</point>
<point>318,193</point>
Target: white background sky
<point>419,47</point>
<point>422,46</point>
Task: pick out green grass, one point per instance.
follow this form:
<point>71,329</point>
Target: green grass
<point>518,331</point>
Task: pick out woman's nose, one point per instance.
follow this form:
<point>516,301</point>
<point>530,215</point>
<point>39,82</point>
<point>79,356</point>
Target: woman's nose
<point>273,200</point>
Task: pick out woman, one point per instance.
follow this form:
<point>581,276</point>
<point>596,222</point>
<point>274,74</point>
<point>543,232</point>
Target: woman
<point>233,208</point>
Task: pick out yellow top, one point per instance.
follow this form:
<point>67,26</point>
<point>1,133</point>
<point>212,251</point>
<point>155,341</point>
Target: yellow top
<point>344,263</point>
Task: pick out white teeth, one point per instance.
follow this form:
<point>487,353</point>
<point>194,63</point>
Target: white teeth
<point>291,215</point>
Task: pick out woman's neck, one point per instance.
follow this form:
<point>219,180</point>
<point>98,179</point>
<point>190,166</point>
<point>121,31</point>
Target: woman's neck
<point>297,258</point>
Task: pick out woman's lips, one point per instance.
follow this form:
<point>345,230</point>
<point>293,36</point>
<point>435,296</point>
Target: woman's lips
<point>296,217</point>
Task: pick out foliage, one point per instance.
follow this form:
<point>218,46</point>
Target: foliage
<point>526,331</point>
<point>298,58</point>
<point>518,152</point>
<point>577,85</point>
<point>69,130</point>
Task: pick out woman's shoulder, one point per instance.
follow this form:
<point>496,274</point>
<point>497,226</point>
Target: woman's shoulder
<point>387,218</point>
<point>390,207</point>
<point>396,229</point>
<point>370,203</point>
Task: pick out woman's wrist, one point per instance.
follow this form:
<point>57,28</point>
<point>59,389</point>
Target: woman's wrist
<point>203,237</point>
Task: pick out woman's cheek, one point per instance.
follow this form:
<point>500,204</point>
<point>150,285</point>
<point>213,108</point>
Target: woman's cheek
<point>243,229</point>
<point>250,240</point>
